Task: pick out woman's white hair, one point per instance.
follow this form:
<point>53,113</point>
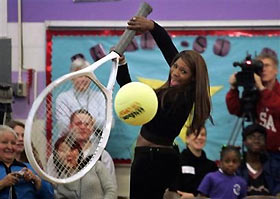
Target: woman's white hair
<point>5,128</point>
<point>79,63</point>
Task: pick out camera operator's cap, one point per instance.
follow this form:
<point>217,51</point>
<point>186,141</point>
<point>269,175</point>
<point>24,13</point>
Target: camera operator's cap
<point>78,62</point>
<point>252,129</point>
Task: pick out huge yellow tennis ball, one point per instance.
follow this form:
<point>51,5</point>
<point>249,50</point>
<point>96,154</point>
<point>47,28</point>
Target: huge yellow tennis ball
<point>136,103</point>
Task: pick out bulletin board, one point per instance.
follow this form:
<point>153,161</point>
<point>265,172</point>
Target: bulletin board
<point>220,48</point>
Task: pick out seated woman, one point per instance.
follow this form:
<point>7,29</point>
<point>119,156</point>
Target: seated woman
<point>19,127</point>
<point>82,132</point>
<point>17,179</point>
<point>194,165</point>
<point>97,183</point>
<point>46,191</point>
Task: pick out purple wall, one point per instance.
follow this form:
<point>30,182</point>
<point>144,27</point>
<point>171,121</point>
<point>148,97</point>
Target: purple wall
<point>41,10</point>
<point>21,106</point>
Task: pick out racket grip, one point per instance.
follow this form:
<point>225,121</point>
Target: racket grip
<point>144,10</point>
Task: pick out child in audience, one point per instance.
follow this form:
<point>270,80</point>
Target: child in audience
<point>68,159</point>
<point>224,183</point>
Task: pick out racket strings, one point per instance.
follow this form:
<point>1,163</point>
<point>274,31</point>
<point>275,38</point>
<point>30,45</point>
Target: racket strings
<point>84,153</point>
<point>51,119</point>
<point>68,127</point>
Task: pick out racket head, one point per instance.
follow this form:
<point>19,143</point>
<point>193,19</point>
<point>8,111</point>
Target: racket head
<point>45,127</point>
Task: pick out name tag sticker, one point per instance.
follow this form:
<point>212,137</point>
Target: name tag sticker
<point>188,169</point>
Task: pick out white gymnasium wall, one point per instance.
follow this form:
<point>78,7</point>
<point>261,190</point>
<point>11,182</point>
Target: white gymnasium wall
<point>33,45</point>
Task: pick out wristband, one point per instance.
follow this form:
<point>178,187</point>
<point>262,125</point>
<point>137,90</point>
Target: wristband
<point>123,63</point>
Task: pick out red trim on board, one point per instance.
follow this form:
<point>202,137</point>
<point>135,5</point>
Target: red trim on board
<point>173,33</point>
<point>230,33</point>
<point>49,97</point>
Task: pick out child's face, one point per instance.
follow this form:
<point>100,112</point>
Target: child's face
<point>68,156</point>
<point>230,162</point>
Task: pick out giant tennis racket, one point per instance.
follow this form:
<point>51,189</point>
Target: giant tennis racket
<point>75,108</point>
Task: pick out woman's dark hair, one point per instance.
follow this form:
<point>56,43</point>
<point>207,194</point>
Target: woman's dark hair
<point>14,123</point>
<point>196,132</point>
<point>79,55</point>
<point>229,148</point>
<point>73,144</point>
<point>197,91</point>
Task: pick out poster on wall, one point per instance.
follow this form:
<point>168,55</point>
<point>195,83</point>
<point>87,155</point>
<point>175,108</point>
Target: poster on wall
<point>220,49</point>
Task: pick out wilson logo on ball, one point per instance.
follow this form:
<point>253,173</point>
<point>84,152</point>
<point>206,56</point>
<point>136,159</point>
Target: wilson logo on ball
<point>133,111</point>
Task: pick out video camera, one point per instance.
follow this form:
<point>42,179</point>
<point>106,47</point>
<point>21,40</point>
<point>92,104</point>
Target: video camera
<point>249,66</point>
<point>245,78</point>
<point>19,174</point>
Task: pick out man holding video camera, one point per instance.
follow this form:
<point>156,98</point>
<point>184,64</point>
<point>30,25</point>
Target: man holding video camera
<point>267,106</point>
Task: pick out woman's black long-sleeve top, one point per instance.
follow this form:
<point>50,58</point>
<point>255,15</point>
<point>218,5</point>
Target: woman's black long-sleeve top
<point>168,121</point>
<point>193,169</point>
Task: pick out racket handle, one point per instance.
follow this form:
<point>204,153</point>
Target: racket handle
<point>144,10</point>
